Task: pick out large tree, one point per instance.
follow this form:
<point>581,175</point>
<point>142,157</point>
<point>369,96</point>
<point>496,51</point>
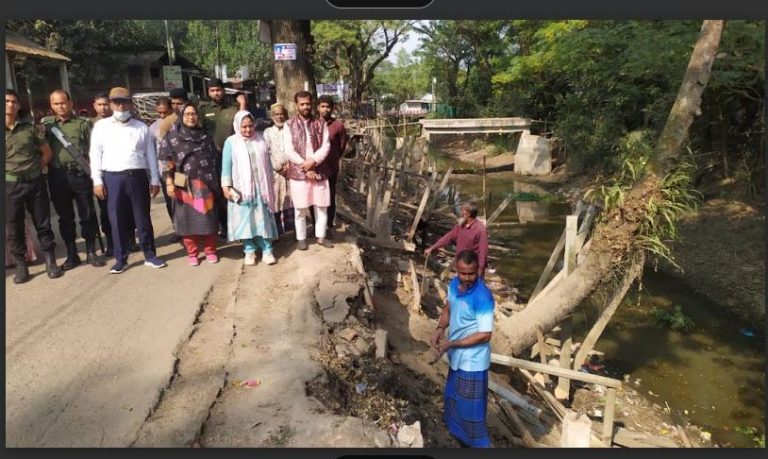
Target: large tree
<point>292,76</point>
<point>618,243</point>
<point>353,49</point>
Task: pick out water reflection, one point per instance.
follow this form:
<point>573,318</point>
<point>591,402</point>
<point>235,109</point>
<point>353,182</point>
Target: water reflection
<point>531,211</point>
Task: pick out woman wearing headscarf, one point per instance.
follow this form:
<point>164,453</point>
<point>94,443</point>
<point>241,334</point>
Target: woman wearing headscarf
<point>188,157</point>
<point>246,180</point>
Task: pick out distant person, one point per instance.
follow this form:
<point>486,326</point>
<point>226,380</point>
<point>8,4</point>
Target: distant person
<point>246,182</point>
<point>190,151</point>
<point>337,136</point>
<point>101,107</point>
<point>27,153</point>
<point>469,233</point>
<point>103,111</point>
<point>124,172</point>
<point>468,314</point>
<point>69,179</point>
<point>217,117</point>
<point>307,146</point>
<point>284,217</point>
<point>164,112</point>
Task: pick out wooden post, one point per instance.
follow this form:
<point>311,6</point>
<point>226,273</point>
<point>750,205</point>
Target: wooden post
<point>605,316</point>
<point>553,258</point>
<point>10,74</point>
<point>563,389</point>
<point>571,248</point>
<point>610,405</point>
<point>416,303</point>
<point>422,206</point>
<point>440,189</point>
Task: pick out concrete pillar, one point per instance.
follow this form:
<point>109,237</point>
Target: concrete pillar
<point>146,76</point>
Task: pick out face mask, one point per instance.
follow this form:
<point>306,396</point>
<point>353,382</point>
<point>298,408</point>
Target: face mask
<point>121,116</point>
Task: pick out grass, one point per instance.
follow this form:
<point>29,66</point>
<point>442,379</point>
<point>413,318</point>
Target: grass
<point>281,438</point>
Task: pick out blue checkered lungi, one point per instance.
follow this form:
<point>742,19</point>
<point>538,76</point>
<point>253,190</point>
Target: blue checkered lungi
<point>466,401</point>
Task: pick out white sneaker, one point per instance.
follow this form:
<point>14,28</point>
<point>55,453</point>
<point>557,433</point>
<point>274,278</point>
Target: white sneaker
<point>269,259</point>
<point>250,259</point>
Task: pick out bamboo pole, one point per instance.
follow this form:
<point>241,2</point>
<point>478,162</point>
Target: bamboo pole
<point>422,206</point>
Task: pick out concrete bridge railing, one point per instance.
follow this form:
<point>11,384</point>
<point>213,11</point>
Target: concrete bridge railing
<point>474,125</point>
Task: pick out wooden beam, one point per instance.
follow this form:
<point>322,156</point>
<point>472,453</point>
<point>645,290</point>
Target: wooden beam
<point>500,209</point>
<point>387,243</point>
<point>610,405</point>
<point>416,302</point>
<point>553,258</point>
<point>606,314</point>
<point>563,390</point>
<point>436,195</point>
<point>519,426</point>
<point>513,397</point>
<point>422,206</point>
<point>555,371</point>
<point>571,246</point>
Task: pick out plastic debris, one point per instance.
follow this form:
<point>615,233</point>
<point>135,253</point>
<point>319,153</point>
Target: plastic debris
<point>360,388</point>
<point>747,332</point>
<point>251,383</point>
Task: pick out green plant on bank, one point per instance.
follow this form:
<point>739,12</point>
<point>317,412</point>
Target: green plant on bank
<point>754,433</point>
<point>677,196</point>
<point>674,319</point>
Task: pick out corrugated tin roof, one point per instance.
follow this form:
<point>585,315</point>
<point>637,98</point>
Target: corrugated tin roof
<point>19,44</point>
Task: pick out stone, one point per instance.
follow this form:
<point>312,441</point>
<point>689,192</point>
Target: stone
<point>410,436</point>
<point>347,334</point>
<point>382,440</point>
<point>361,345</point>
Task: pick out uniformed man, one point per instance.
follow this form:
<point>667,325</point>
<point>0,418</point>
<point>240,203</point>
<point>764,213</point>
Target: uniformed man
<point>70,181</point>
<point>26,154</point>
<point>103,110</point>
<point>217,115</point>
<point>101,107</point>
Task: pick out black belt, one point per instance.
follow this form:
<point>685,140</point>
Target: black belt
<point>74,167</point>
<point>127,172</point>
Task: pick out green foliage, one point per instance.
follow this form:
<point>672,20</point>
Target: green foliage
<point>674,319</point>
<point>354,49</point>
<point>658,224</point>
<point>753,432</point>
<point>239,45</point>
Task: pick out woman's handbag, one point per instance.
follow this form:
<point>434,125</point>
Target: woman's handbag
<point>180,178</point>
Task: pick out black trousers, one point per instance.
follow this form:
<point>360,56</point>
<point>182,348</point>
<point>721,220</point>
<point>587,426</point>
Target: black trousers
<point>332,208</point>
<point>106,228</point>
<point>65,187</point>
<point>221,201</point>
<point>31,196</point>
<point>128,203</point>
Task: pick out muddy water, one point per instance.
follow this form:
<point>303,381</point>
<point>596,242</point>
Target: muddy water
<point>713,377</point>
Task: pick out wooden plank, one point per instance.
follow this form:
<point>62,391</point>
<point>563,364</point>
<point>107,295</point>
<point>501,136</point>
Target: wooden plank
<point>436,195</point>
<point>553,258</point>
<point>416,301</point>
<point>571,246</point>
<point>555,280</point>
<point>610,405</point>
<point>683,436</point>
<point>519,426</point>
<point>555,371</point>
<point>563,390</point>
<point>500,209</point>
<point>387,243</point>
<point>513,397</point>
<point>346,213</point>
<point>422,206</point>
<point>605,315</point>
<point>630,439</point>
<point>586,224</point>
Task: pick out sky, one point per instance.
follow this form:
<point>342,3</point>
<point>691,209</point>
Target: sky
<point>409,45</point>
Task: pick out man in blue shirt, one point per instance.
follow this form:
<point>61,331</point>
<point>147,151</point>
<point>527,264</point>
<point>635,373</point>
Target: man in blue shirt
<point>468,314</point>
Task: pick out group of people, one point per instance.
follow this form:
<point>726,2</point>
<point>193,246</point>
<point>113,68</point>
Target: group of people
<point>220,177</point>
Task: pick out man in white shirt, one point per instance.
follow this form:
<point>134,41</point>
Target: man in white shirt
<point>124,172</point>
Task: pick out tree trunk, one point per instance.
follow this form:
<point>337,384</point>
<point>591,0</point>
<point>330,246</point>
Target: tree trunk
<point>613,240</point>
<point>292,76</point>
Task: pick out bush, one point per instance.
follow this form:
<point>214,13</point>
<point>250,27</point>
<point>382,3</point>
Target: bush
<point>674,319</point>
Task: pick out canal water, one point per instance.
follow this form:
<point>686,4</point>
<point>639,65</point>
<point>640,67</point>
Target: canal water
<point>712,376</point>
